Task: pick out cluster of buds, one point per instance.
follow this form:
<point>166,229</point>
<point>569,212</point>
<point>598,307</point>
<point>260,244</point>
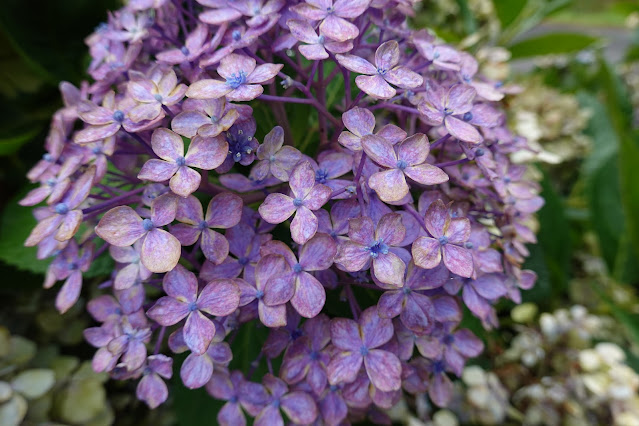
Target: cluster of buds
<point>353,242</point>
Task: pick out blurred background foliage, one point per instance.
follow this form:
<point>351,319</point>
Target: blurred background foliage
<point>577,64</point>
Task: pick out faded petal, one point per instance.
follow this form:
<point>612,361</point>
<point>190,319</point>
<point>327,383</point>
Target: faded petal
<point>426,252</point>
<point>384,370</point>
<point>389,269</point>
<point>185,181</point>
<point>120,226</point>
<point>375,86</point>
<point>458,260</point>
<point>309,297</point>
<point>343,367</point>
<point>214,246</point>
<point>220,298</point>
<point>207,153</point>
<point>277,208</point>
<point>198,332</point>
<point>167,144</point>
<point>303,226</point>
<point>160,251</point>
<point>390,185</point>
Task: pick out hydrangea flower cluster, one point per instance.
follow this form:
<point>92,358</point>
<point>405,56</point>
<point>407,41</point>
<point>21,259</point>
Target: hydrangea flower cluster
<point>355,252</point>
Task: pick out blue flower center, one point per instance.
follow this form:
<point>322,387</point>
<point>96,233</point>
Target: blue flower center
<point>202,225</point>
<point>233,399</point>
<point>118,116</point>
<point>438,367</point>
<point>147,224</point>
<point>480,152</point>
<point>381,71</point>
<point>51,182</point>
<point>236,80</point>
<point>363,351</point>
<point>467,116</point>
<point>321,39</point>
<point>158,97</point>
<point>214,119</point>
<point>406,290</point>
<point>448,111</point>
<point>296,334</point>
<point>401,164</point>
<point>237,35</point>
<point>377,248</point>
<point>97,150</point>
<point>243,260</point>
<point>448,339</point>
<point>436,55</point>
<point>185,51</point>
<point>297,268</point>
<point>333,388</point>
<point>192,306</point>
<point>276,403</point>
<point>47,157</point>
<point>443,240</point>
<point>507,180</point>
<point>239,145</point>
<point>314,355</point>
<point>468,245</point>
<point>330,9</point>
<point>180,161</point>
<point>61,208</point>
<point>297,202</point>
<point>259,294</point>
<point>321,175</point>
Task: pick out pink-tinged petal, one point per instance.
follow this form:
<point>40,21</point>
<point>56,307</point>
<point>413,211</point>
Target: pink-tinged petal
<point>414,149</point>
<point>168,311</point>
<point>152,390</point>
<point>344,367</point>
<point>460,98</point>
<point>318,253</point>
<point>120,226</point>
<point>461,130</point>
<point>430,113</point>
<point>458,260</point>
<point>313,52</point>
<point>277,208</point>
<point>437,218</point>
<point>270,265</point>
<point>390,185</point>
<point>477,305</point>
<point>126,277</point>
<point>375,330</point>
<point>302,180</point>
<point>219,16</point>
<point>185,181</point>
<point>426,252</point>
<point>230,414</point>
<point>189,211</point>
<point>299,407</point>
<point>404,78</point>
<point>279,290</point>
<point>309,297</point>
<point>360,121</point>
<point>220,298</point>
<point>234,64</point>
<point>333,408</point>
<point>70,224</point>
<point>389,269</point>
<point>144,112</point>
<point>458,230</point>
<point>187,123</point>
<point>350,8</point>
<point>207,153</point>
<point>361,230</point>
<point>279,248</point>
<point>198,332</point>
<point>356,64</point>
<point>418,313</point>
<point>426,174</point>
<point>338,29</point>
<point>96,133</point>
<point>345,334</point>
<point>352,256</point>
<point>303,226</point>
<point>311,11</point>
<point>272,316</point>
<point>164,209</point>
<point>245,93</point>
<point>214,246</point>
<point>224,211</point>
<point>384,370</point>
<point>264,73</point>
<point>286,159</point>
<point>317,197</point>
<point>181,284</point>
<point>375,86</point>
<point>390,304</point>
<point>157,170</point>
<point>167,144</point>
<point>208,89</point>
<point>390,229</point>
<point>379,150</point>
<point>196,370</point>
<point>69,293</point>
<point>387,55</point>
<point>45,228</point>
<point>269,416</point>
<point>339,47</point>
<point>160,251</point>
<point>302,31</point>
<point>392,133</point>
<point>350,141</point>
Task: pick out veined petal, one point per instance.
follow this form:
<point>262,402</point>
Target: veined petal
<point>375,86</point>
<point>277,208</point>
<point>160,251</point>
<point>167,144</point>
<point>390,185</point>
<point>426,252</point>
<point>120,226</point>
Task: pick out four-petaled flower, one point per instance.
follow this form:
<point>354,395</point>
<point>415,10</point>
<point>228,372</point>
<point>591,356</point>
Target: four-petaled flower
<point>447,239</point>
<point>409,160</point>
<point>307,196</point>
<point>317,46</point>
<point>298,405</point>
<point>203,153</point>
<point>357,343</point>
<point>333,16</point>
<point>376,78</point>
<point>219,297</point>
<point>361,122</point>
<point>206,118</point>
<point>275,158</point>
<point>152,388</point>
<point>224,211</point>
<point>160,89</point>
<point>243,80</point>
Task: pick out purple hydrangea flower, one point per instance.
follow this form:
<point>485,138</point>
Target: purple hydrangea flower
<point>334,16</point>
<point>298,406</point>
<point>361,122</point>
<point>275,158</point>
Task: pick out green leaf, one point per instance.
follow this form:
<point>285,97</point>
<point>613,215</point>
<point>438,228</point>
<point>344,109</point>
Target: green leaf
<point>15,225</point>
<point>470,23</point>
<point>551,44</point>
<point>508,10</point>
<point>11,145</point>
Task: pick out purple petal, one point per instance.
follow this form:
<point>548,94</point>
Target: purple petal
<point>426,252</point>
<point>461,130</point>
<point>168,311</point>
<point>272,316</point>
<point>303,226</point>
<point>120,226</point>
<point>384,370</point>
<point>224,211</point>
<point>185,181</point>
<point>390,304</point>
<point>220,298</point>
<point>375,86</point>
<point>418,313</point>
<point>356,64</point>
<point>318,253</point>
<point>196,370</point>
<point>375,329</point>
<point>390,185</point>
<point>390,229</point>
<point>404,78</point>
<point>152,390</point>
<point>309,297</point>
<point>458,260</point>
<point>160,251</point>
<point>269,416</point>
<point>207,153</point>
<point>187,123</point>
<point>389,269</point>
<point>338,29</point>
<point>277,208</point>
<point>299,407</point>
<point>198,332</point>
<point>426,174</point>
<point>214,246</point>
<point>208,89</point>
<point>343,367</point>
<point>167,144</point>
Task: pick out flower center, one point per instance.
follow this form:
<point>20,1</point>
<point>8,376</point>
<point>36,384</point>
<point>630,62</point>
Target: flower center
<point>51,182</point>
<point>443,240</point>
<point>480,152</point>
<point>448,339</point>
<point>298,202</point>
<point>192,306</point>
<point>239,145</point>
<point>377,248</point>
<point>236,80</point>
<point>314,355</point>
<point>185,51</point>
<point>243,261</point>
<point>321,39</point>
<point>406,290</point>
<point>47,157</point>
<point>363,350</point>
<point>202,225</point>
<point>297,268</point>
<point>61,208</point>
<point>233,399</point>
<point>467,116</point>
<point>259,294</point>
<point>448,111</point>
<point>147,224</point>
<point>118,116</point>
<point>321,175</point>
<point>180,161</point>
<point>158,97</point>
<point>438,367</point>
<point>381,71</point>
<point>401,164</point>
<point>237,35</point>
